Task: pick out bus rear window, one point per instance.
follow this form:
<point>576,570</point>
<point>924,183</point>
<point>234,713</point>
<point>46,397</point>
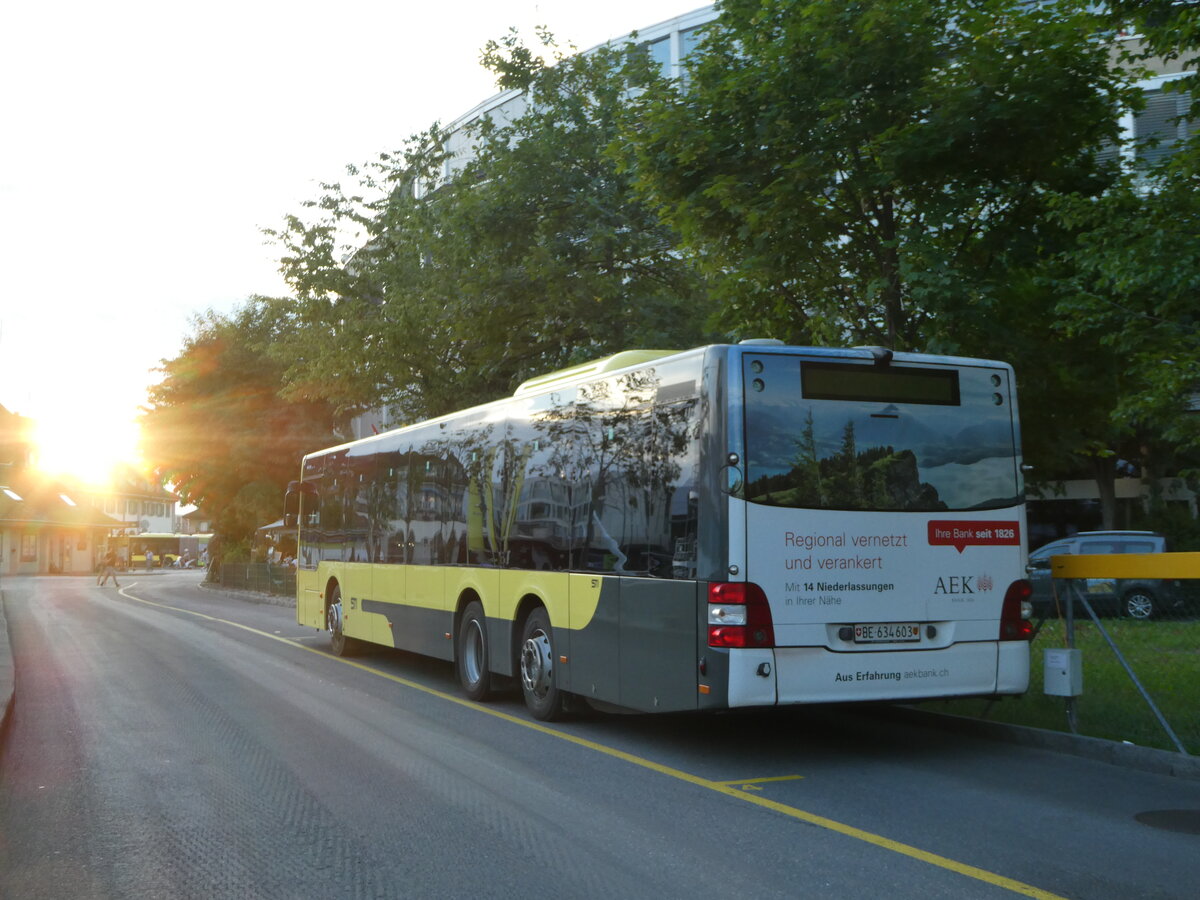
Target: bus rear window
<point>822,435</point>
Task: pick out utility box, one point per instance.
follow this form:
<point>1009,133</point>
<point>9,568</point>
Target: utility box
<point>1063,672</point>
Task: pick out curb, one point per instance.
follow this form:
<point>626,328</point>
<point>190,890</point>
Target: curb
<point>7,672</point>
<point>1129,756</point>
<point>249,596</point>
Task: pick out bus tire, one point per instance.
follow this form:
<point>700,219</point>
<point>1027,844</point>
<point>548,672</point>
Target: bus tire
<point>339,644</point>
<point>471,656</point>
<point>539,681</point>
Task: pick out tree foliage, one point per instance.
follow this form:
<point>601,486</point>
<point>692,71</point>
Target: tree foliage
<point>534,255</point>
<point>1137,283</point>
<point>217,428</point>
<point>1137,257</point>
<point>862,171</point>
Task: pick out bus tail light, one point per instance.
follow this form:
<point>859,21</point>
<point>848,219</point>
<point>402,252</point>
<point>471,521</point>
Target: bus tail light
<point>739,616</point>
<point>1014,617</point>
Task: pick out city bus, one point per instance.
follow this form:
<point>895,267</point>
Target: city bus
<point>168,548</point>
<point>743,525</point>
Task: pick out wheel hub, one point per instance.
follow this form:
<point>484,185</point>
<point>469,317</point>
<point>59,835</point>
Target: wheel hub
<point>1139,606</point>
<point>537,665</point>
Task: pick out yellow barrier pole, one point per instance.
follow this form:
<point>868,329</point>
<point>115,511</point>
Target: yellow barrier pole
<point>1126,565</point>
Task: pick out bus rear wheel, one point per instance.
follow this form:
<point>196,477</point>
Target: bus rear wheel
<point>339,643</point>
<point>471,654</point>
<point>539,683</point>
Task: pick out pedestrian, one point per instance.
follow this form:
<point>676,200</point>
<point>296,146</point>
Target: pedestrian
<point>149,559</point>
<point>110,568</point>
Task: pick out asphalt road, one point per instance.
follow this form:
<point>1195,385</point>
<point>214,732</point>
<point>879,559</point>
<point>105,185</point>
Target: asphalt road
<point>169,742</point>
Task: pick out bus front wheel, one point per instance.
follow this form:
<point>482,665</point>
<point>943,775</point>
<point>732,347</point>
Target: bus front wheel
<point>471,656</point>
<point>538,681</point>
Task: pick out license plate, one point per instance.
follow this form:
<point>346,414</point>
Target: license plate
<point>886,632</point>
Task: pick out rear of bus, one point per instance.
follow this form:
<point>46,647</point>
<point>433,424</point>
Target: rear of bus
<point>876,535</point>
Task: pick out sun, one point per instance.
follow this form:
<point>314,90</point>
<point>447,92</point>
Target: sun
<point>86,445</point>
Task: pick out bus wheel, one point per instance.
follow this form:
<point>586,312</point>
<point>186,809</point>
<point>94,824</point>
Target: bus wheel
<point>339,643</point>
<point>471,654</point>
<point>1139,604</point>
<point>538,683</point>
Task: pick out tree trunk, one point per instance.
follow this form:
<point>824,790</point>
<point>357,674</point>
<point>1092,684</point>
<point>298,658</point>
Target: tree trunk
<point>1104,470</point>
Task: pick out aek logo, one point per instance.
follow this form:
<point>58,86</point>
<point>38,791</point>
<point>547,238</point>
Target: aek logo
<point>955,584</point>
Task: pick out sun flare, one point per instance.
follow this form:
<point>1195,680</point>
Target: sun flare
<point>86,445</point>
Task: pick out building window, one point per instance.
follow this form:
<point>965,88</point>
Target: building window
<point>689,38</point>
<point>1161,124</point>
<point>660,52</point>
<point>1153,133</point>
<point>29,548</point>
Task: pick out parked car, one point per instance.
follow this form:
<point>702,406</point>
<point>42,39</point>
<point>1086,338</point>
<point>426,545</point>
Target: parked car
<point>1138,598</point>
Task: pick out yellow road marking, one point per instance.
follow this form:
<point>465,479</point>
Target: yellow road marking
<point>746,782</point>
<point>728,788</point>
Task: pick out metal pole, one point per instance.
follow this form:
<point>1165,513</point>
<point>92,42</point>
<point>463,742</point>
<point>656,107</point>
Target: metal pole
<point>1129,671</point>
<point>1069,618</point>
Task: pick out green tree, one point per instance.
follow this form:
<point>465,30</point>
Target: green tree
<point>1138,277</point>
<point>534,255</point>
<point>217,429</point>
<point>859,171</point>
<point>1137,257</point>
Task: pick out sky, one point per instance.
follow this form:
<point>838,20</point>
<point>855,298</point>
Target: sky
<point>145,145</point>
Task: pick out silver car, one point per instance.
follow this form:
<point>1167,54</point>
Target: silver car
<point>1137,598</point>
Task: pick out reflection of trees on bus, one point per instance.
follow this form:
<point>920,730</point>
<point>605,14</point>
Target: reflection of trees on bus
<point>621,452</point>
<point>496,476</point>
<point>412,494</point>
<point>599,479</point>
<point>879,477</point>
<point>386,504</point>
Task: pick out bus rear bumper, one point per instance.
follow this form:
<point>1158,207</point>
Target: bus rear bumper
<point>818,675</point>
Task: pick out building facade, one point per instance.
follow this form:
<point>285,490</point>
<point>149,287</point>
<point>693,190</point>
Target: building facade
<point>51,526</point>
